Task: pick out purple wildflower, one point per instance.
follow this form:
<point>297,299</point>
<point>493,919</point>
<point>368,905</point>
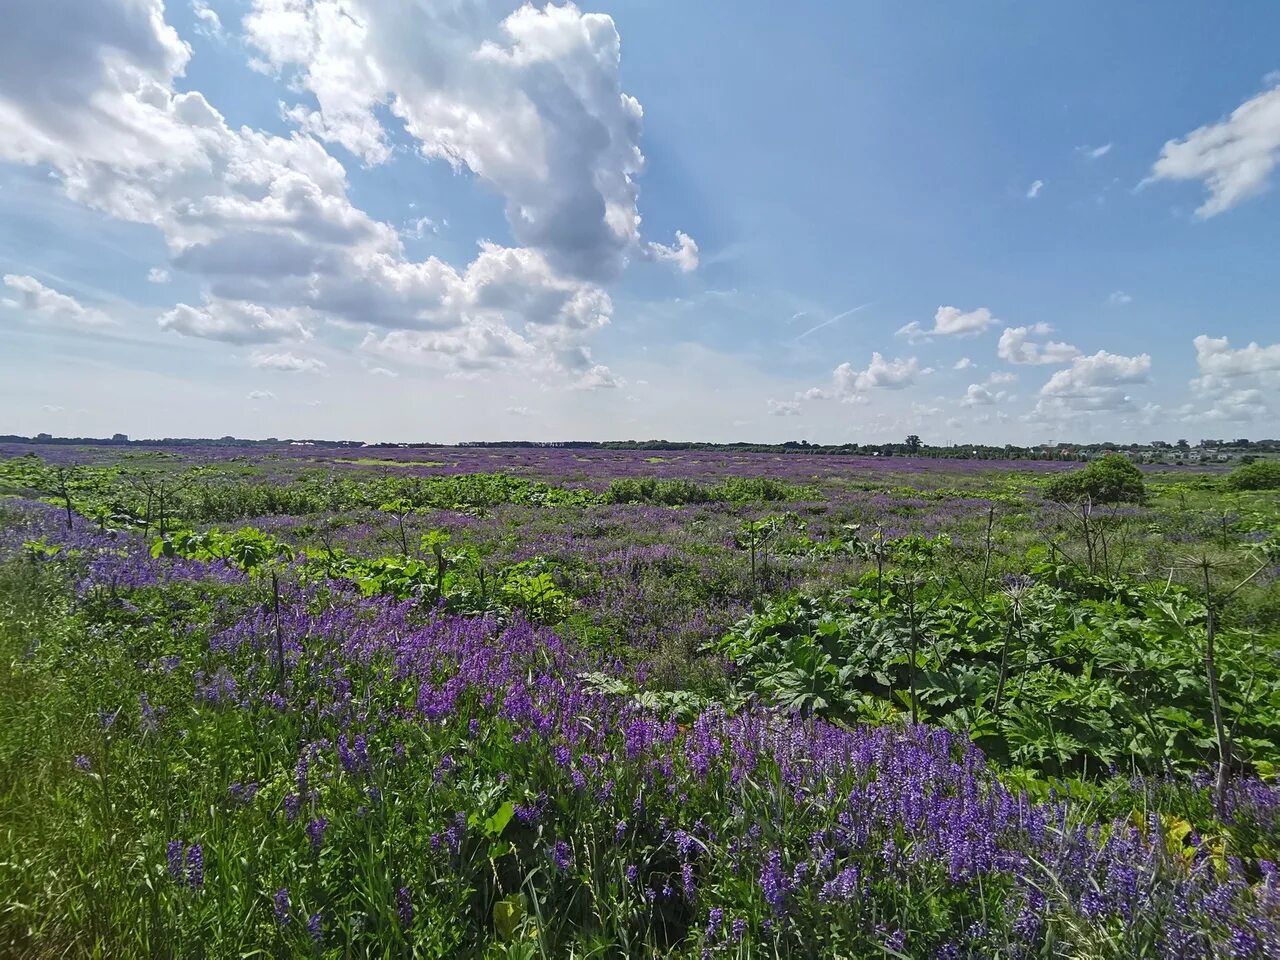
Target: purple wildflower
<point>195,866</point>
<point>281,904</point>
<point>315,831</point>
<point>174,853</point>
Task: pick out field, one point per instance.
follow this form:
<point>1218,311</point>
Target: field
<point>465,702</point>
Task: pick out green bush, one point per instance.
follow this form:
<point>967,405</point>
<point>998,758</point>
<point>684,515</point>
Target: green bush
<point>1260,475</point>
<point>1111,479</point>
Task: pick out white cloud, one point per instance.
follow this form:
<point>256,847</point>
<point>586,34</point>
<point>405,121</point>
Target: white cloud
<point>288,362</point>
<point>1095,153</point>
<point>1239,406</point>
<point>784,408</point>
<point>235,322</point>
<point>531,103</point>
<point>420,227</point>
<point>383,372</point>
<point>1119,298</point>
<point>684,253</point>
<point>849,385</point>
<point>1016,346</point>
<point>157,275</point>
<point>977,395</point>
<point>964,363</point>
<point>210,24</point>
<point>261,395</point>
<point>1216,358</point>
<point>1033,191</point>
<point>950,322</point>
<point>519,411</point>
<point>1092,383</point>
<point>599,377</point>
<point>37,302</point>
<point>1234,385</point>
<point>1234,157</point>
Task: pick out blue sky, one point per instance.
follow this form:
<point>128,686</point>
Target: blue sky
<point>402,219</point>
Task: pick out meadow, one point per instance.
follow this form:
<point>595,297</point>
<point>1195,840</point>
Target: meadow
<point>547,703</point>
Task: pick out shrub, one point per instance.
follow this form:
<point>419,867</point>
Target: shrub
<point>1111,479</point>
<point>1260,475</point>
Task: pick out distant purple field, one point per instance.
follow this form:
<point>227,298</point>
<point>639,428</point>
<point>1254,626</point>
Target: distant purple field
<point>591,467</point>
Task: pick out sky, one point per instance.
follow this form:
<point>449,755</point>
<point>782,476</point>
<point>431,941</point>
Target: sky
<point>450,220</point>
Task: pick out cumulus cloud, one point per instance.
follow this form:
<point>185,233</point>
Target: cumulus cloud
<point>235,322</point>
<point>1234,385</point>
<point>1033,191</point>
<point>1016,346</point>
<point>287,362</point>
<point>964,363</point>
<point>784,408</point>
<point>43,304</point>
<point>157,275</point>
<point>261,395</point>
<point>1234,157</point>
<point>530,102</point>
<point>599,377</point>
<point>1119,298</point>
<point>1215,357</point>
<point>983,394</point>
<point>950,322</point>
<point>1236,406</point>
<point>851,385</point>
<point>1093,383</point>
<point>383,372</point>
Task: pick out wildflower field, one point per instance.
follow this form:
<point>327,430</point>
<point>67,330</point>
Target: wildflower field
<point>519,703</point>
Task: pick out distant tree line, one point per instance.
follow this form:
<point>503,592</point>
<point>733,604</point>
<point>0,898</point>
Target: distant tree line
<point>911,446</point>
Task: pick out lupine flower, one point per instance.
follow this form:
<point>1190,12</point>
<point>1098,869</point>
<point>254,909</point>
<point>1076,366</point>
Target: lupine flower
<point>404,906</point>
<point>175,854</point>
<point>561,856</point>
<point>315,831</point>
<point>195,866</point>
<point>773,882</point>
<point>315,926</point>
<point>83,763</point>
<point>281,905</point>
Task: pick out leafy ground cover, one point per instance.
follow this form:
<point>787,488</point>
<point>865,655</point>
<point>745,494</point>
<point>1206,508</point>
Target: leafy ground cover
<point>539,704</point>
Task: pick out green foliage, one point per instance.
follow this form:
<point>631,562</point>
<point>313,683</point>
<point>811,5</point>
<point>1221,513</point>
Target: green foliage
<point>1108,480</point>
<point>247,548</point>
<point>1259,475</point>
<point>220,494</point>
<point>681,492</point>
<point>1094,676</point>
